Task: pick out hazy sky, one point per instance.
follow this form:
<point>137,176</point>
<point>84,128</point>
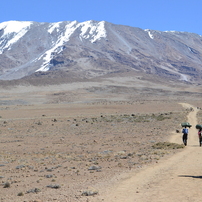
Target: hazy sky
<point>163,15</point>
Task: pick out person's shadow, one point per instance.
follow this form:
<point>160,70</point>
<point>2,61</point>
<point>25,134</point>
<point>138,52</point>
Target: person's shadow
<point>197,177</point>
<point>194,145</point>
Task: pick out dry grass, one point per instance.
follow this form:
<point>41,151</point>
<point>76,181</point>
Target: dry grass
<point>167,145</point>
<point>79,150</point>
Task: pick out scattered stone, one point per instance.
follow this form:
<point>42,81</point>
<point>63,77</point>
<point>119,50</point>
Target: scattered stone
<point>49,170</point>
<point>35,190</point>
<point>20,167</point>
<point>59,166</point>
<point>106,152</point>
<point>54,186</point>
<point>121,152</point>
<point>39,123</point>
<point>123,157</point>
<point>152,141</point>
<point>94,168</point>
<point>31,167</point>
<point>90,192</point>
<point>48,176</point>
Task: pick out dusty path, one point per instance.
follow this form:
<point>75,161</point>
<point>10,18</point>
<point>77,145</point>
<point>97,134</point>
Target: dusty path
<point>177,179</point>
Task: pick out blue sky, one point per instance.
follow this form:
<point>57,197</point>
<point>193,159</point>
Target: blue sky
<point>163,15</point>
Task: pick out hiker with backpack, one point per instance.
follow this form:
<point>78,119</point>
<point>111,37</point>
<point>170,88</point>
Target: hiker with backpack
<point>199,128</point>
<point>185,135</point>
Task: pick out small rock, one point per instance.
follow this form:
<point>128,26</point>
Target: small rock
<point>54,186</point>
<point>123,157</point>
<point>94,168</point>
<point>48,176</point>
<point>20,166</point>
<point>35,190</point>
<point>89,192</point>
<point>121,152</point>
<point>49,170</point>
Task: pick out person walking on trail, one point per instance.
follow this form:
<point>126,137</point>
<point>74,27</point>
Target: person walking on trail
<point>200,136</point>
<point>185,135</point>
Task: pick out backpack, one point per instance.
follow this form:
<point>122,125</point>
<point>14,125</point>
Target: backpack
<point>199,132</point>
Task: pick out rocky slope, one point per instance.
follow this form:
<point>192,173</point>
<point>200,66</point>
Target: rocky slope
<point>92,49</point>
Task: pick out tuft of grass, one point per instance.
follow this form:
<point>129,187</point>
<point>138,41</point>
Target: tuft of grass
<point>135,118</point>
<point>167,145</point>
<point>161,117</point>
<point>7,185</point>
<point>21,194</point>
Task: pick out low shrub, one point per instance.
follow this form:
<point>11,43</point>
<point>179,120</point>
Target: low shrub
<point>167,145</point>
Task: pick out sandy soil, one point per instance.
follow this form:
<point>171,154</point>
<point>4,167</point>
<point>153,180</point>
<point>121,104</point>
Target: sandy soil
<point>176,179</point>
<point>93,142</point>
<point>80,147</point>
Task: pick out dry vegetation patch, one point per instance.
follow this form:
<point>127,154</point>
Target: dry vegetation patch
<point>54,157</point>
<point>167,145</point>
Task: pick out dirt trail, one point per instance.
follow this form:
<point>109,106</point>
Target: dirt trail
<point>176,179</point>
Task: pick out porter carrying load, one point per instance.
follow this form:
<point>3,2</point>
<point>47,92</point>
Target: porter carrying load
<point>186,124</point>
<point>198,126</point>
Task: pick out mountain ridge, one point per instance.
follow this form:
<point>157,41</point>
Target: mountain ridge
<point>97,48</point>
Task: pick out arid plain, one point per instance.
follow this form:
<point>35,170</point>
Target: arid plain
<point>74,141</point>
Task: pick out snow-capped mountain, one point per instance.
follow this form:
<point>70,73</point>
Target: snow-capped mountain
<point>91,49</point>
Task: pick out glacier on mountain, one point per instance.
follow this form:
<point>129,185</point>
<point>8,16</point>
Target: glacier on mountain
<point>88,29</point>
<point>149,33</point>
<point>96,48</point>
<point>15,28</point>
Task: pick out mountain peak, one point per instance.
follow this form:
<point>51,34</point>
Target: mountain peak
<point>96,48</point>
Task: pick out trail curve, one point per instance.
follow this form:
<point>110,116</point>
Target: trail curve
<point>176,179</point>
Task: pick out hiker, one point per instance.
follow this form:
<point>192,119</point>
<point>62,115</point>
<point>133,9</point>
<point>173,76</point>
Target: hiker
<point>185,135</point>
<point>200,136</point>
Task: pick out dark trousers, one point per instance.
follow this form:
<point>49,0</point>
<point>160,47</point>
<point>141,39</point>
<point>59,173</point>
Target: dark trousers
<point>200,140</point>
<point>184,138</point>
